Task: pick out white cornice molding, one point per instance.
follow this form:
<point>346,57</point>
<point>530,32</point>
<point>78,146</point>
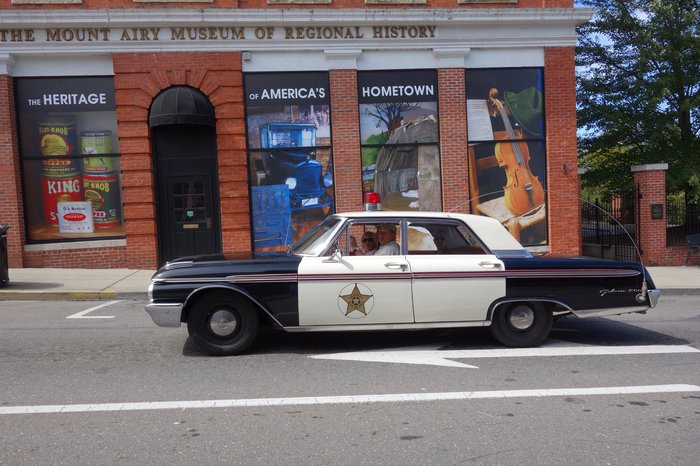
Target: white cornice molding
<point>448,30</point>
<point>6,62</point>
<point>450,57</point>
<point>252,17</point>
<point>342,59</point>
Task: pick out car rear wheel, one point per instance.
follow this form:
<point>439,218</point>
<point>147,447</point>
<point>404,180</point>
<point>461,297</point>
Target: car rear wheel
<point>521,324</point>
<point>222,324</point>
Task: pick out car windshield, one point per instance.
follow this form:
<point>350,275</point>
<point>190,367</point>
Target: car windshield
<point>313,243</point>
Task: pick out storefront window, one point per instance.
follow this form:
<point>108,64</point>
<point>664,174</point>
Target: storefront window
<point>400,138</point>
<point>506,133</point>
<point>289,155</point>
<point>70,158</point>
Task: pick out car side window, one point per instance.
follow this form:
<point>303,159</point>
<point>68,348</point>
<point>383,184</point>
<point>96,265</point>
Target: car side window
<point>342,244</point>
<point>355,240</point>
<point>441,238</point>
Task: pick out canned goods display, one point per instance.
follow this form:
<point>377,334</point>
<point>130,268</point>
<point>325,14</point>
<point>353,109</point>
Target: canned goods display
<point>60,168</point>
<point>59,189</point>
<point>60,177</point>
<point>103,192</point>
<point>96,143</point>
<point>57,135</point>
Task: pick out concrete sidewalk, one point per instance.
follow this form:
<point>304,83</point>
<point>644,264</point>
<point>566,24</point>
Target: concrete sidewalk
<point>77,284</point>
<point>108,284</point>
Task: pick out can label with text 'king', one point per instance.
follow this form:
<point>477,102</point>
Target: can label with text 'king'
<point>60,177</point>
<point>59,189</point>
<point>103,192</point>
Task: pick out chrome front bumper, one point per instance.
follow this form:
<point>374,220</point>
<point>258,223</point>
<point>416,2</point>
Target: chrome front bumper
<point>165,315</point>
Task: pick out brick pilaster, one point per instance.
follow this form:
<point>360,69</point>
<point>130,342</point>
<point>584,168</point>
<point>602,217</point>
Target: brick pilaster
<point>650,188</point>
<point>11,207</point>
<point>563,191</point>
<point>346,140</point>
<point>452,108</point>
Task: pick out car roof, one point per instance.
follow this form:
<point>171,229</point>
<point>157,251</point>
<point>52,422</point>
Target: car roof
<point>489,230</point>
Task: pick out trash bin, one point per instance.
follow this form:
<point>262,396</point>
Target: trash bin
<point>4,269</point>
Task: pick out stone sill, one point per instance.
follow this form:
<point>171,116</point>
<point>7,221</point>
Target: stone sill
<point>47,2</point>
<point>106,243</point>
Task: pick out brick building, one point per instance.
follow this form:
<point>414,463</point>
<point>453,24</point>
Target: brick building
<point>138,131</point>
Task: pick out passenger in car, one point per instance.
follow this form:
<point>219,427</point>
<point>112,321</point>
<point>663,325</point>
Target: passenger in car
<point>440,241</point>
<point>367,248</point>
<point>386,234</point>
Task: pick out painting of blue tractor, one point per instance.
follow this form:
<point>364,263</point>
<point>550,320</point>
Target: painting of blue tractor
<point>291,160</point>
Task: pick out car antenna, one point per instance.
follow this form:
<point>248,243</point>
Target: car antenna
<point>642,295</point>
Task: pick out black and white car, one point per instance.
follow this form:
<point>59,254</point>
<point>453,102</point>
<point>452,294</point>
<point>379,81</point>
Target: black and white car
<point>479,277</point>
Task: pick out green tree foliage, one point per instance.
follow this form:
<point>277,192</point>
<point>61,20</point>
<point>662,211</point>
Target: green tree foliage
<point>638,84</point>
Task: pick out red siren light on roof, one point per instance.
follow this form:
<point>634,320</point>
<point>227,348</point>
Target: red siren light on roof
<point>372,201</point>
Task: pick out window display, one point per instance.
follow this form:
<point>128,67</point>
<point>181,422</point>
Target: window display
<point>70,158</point>
<point>289,155</point>
<point>399,137</point>
<point>505,123</point>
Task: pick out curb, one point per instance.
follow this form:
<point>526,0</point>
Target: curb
<point>71,296</point>
<point>680,292</point>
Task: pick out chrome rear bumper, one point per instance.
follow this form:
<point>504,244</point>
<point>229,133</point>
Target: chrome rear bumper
<point>653,297</point>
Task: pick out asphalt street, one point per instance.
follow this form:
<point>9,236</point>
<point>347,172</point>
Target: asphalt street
<point>87,382</point>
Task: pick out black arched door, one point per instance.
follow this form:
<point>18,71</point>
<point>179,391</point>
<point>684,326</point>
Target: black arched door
<point>186,185</point>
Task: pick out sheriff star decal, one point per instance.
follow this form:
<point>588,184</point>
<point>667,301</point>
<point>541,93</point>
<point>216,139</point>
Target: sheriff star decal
<point>355,301</point>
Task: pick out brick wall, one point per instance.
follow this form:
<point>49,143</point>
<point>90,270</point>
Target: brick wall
<point>11,209</point>
<point>138,80</point>
<point>86,258</point>
<point>346,140</point>
<point>452,109</point>
<point>650,188</point>
<point>563,189</point>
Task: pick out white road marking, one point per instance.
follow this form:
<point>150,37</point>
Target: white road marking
<point>82,314</point>
<point>351,399</point>
<point>432,356</point>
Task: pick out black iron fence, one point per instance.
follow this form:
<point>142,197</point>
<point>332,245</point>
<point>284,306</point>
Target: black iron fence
<point>608,228</point>
<point>682,220</point>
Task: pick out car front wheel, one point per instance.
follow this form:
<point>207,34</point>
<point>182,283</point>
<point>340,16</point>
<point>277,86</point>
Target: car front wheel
<point>222,324</point>
<point>521,324</point>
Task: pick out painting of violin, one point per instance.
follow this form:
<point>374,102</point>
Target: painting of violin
<point>523,190</point>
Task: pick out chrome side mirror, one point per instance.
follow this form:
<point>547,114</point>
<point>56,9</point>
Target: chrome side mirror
<point>335,258</point>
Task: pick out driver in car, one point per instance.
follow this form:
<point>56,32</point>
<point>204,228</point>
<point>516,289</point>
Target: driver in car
<point>386,235</point>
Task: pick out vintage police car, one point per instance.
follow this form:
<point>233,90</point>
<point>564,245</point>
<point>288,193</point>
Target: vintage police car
<point>452,270</point>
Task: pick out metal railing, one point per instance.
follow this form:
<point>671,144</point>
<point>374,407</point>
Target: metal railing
<point>682,220</point>
<point>608,228</point>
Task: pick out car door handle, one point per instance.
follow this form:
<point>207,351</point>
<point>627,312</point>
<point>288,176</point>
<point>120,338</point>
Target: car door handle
<point>396,265</point>
<point>490,265</point>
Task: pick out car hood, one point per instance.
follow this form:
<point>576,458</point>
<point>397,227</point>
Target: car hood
<point>223,265</point>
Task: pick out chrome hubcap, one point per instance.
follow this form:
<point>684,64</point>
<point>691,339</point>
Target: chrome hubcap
<point>223,323</point>
<point>521,317</point>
